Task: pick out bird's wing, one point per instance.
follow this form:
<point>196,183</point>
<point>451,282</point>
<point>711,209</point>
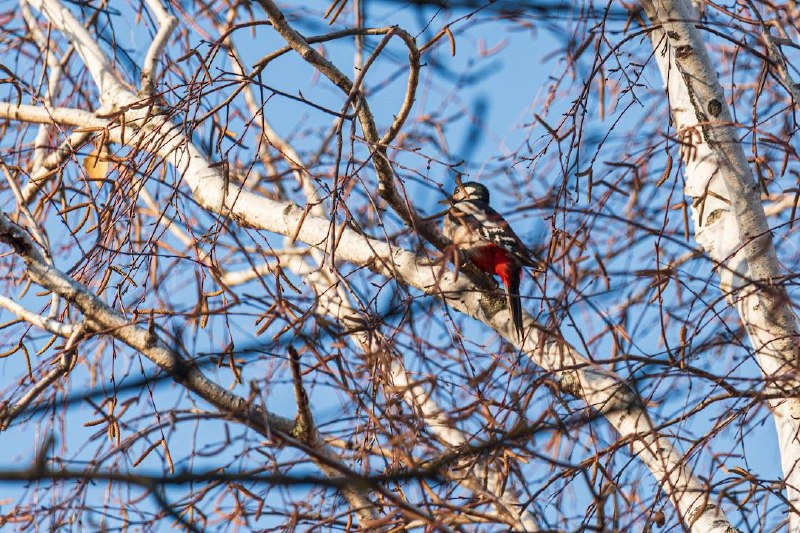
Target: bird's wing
<point>481,218</point>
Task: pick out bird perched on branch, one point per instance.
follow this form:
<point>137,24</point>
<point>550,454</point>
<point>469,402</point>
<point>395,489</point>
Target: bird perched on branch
<point>488,241</point>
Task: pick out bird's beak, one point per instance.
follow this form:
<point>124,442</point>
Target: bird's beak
<point>446,201</point>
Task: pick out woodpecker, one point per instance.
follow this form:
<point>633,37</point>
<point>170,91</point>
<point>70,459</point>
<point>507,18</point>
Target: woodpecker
<point>488,241</point>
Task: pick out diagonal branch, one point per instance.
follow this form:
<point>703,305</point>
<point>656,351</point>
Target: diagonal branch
<point>377,143</point>
<point>104,319</point>
<point>166,25</point>
<point>600,389</point>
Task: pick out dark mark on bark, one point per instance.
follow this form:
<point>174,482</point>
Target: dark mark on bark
<point>491,304</point>
<point>714,216</point>
<point>14,237</point>
<point>181,369</point>
<point>699,110</point>
<point>714,108</point>
<point>239,219</point>
<point>673,35</point>
<point>683,51</point>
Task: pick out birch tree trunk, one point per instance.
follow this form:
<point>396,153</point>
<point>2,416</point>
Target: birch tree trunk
<point>208,223</point>
<point>729,219</point>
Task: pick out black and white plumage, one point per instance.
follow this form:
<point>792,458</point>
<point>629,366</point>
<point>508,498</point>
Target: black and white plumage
<point>488,240</point>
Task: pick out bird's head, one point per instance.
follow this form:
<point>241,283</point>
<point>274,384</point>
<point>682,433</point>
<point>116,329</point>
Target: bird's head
<point>471,190</point>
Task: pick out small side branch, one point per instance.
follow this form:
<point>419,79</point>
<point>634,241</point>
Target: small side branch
<point>166,25</point>
<point>377,143</point>
<point>7,416</point>
<point>304,429</point>
<point>775,53</point>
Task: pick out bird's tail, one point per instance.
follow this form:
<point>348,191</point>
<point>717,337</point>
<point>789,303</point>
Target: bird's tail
<point>513,301</point>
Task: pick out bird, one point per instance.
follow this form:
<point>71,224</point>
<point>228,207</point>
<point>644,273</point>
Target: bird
<point>487,239</point>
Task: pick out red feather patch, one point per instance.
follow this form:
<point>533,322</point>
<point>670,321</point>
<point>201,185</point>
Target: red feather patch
<point>495,260</point>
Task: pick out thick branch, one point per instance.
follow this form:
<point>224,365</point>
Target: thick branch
<point>602,390</point>
<point>96,61</point>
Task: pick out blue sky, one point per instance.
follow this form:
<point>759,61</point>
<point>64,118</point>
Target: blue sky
<point>487,95</point>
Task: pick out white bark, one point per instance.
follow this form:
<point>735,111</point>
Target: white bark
<point>333,300</point>
<point>115,96</point>
<point>46,323</point>
<point>166,25</point>
<point>54,71</point>
<point>729,218</point>
<point>602,390</point>
<point>99,66</point>
<point>103,318</point>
